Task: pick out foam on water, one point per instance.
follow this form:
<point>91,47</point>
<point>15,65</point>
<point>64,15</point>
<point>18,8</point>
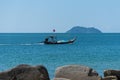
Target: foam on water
<point>23,44</point>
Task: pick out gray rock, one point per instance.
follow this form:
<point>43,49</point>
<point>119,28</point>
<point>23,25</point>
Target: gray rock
<point>25,72</point>
<point>110,78</point>
<point>112,73</point>
<point>76,72</point>
<point>61,79</point>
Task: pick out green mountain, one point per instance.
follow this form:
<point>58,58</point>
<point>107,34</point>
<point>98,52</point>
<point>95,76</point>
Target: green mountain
<point>79,29</point>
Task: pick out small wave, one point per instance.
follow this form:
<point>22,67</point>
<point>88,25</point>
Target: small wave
<point>13,44</point>
<point>33,44</point>
<point>38,44</point>
<point>5,44</point>
<point>23,44</point>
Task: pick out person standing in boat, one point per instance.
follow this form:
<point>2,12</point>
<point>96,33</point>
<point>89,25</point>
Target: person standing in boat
<point>50,39</point>
<point>53,39</point>
<point>46,40</point>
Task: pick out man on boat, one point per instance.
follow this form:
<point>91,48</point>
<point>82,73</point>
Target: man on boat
<point>50,39</point>
<point>46,40</point>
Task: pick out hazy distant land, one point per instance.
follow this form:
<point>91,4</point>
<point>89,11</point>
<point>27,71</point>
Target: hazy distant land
<point>79,29</point>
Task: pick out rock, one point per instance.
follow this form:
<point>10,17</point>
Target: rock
<point>25,72</point>
<point>112,73</point>
<point>110,78</point>
<point>76,72</point>
<point>61,79</point>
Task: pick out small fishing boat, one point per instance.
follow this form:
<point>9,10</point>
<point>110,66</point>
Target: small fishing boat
<point>54,41</point>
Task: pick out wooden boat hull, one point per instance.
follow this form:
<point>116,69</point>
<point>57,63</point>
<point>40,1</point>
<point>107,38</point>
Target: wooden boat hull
<point>61,42</point>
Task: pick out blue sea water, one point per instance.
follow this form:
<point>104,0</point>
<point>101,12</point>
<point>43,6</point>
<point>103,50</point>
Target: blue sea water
<point>98,51</point>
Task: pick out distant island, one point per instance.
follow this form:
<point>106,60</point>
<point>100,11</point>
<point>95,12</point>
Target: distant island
<point>79,29</point>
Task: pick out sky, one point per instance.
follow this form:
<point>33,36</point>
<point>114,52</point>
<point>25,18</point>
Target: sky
<point>42,16</point>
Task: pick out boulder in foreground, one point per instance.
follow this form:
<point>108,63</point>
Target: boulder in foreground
<point>112,73</point>
<point>76,72</point>
<point>110,78</point>
<point>25,72</point>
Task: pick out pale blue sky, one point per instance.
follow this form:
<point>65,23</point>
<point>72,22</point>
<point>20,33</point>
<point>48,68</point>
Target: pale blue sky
<point>44,15</point>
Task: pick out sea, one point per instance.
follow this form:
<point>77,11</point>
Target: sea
<point>98,51</point>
